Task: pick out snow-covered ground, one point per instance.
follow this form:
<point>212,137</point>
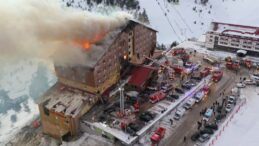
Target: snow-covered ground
<point>17,93</point>
<point>188,23</point>
<point>244,127</point>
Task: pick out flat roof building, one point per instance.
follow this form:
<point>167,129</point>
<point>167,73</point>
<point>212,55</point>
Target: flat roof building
<point>232,37</point>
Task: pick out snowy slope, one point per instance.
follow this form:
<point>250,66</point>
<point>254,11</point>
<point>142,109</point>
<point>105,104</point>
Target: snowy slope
<point>181,21</point>
<point>17,106</point>
<point>182,16</point>
<point>243,129</point>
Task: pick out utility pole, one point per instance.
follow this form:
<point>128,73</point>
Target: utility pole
<point>122,100</point>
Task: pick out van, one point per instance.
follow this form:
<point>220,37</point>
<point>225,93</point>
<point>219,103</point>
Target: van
<point>190,102</point>
<point>179,113</point>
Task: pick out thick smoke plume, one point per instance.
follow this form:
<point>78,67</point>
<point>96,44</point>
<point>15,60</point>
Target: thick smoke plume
<point>41,28</point>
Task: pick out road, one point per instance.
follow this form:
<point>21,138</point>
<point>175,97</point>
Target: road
<point>189,125</point>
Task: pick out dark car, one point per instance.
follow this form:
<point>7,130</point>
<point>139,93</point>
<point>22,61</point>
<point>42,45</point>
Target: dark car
<point>175,96</point>
<point>146,116</point>
<point>198,78</point>
<point>134,126</point>
<point>220,117</point>
<point>130,131</point>
<point>219,109</point>
<point>109,110</point>
<point>179,90</point>
<point>195,136</point>
<point>186,86</point>
<point>211,126</point>
<point>206,130</point>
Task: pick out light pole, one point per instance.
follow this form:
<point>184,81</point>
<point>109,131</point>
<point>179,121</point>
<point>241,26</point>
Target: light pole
<point>121,100</point>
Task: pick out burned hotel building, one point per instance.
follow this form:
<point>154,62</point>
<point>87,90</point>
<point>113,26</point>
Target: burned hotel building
<point>80,87</point>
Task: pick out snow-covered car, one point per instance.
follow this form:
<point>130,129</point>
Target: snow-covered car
<point>179,113</point>
<point>249,82</point>
<point>241,85</point>
<point>204,137</point>
<point>229,108</point>
<point>207,114</point>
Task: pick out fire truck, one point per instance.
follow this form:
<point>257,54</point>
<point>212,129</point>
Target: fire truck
<point>233,65</point>
<point>178,51</point>
<point>247,63</point>
<point>217,75</point>
<point>205,72</point>
<point>157,136</point>
<point>157,96</point>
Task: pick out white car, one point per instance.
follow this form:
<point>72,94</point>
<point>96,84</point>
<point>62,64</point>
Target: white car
<point>231,99</point>
<point>241,85</point>
<point>179,113</point>
<point>229,108</point>
<point>190,102</point>
<point>198,96</point>
<point>249,82</point>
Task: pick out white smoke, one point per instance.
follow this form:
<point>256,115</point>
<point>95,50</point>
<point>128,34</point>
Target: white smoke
<point>38,28</point>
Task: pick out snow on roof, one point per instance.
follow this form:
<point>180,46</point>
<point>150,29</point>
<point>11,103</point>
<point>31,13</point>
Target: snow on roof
<point>69,102</point>
<point>234,29</point>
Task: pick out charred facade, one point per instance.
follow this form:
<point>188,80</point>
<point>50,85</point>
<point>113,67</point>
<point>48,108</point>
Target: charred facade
<point>132,44</point>
<point>80,87</point>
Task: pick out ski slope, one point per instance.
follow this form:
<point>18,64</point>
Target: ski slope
<point>182,16</point>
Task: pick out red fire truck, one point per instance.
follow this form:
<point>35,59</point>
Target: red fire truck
<point>205,72</point>
<point>217,75</point>
<point>158,135</point>
<point>157,96</point>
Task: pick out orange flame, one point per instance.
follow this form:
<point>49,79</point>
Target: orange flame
<point>86,44</point>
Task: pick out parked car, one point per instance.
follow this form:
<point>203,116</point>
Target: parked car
<point>145,117</point>
<point>179,113</point>
<point>198,96</point>
<point>190,102</point>
<point>186,86</point>
<point>229,108</point>
<point>179,90</point>
<point>241,85</point>
<point>130,131</point>
<point>211,126</point>
<point>195,136</point>
<point>249,82</point>
<point>207,114</point>
<point>198,78</point>
<point>152,115</point>
<point>134,126</point>
<point>207,130</point>
<point>204,137</point>
<point>231,99</point>
<point>219,109</point>
<point>175,96</point>
<point>219,117</point>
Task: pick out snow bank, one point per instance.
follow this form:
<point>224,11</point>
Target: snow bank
<point>244,127</point>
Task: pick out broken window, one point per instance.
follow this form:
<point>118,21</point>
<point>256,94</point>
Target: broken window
<point>46,111</point>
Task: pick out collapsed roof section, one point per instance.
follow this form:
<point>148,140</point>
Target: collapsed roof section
<point>65,100</point>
